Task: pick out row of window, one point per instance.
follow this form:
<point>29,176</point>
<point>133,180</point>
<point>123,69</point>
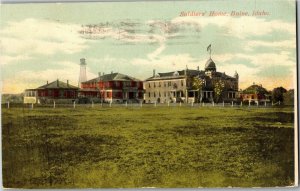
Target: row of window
<point>159,94</point>
<point>115,84</point>
<point>164,84</point>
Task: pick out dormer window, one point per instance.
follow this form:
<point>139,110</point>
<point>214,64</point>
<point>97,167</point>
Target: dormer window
<point>176,74</point>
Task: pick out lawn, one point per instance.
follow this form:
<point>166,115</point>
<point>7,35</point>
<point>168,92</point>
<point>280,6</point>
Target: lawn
<point>147,147</point>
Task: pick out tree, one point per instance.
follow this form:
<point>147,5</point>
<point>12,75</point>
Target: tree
<point>277,94</point>
<point>288,97</point>
<point>218,89</point>
<point>197,84</point>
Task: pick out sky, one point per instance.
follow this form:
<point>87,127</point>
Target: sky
<point>44,42</point>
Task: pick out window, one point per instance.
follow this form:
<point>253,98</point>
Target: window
<point>165,94</point>
<point>126,84</point>
<point>159,94</point>
<point>149,94</point>
<point>181,82</point>
<point>149,85</point>
<point>154,84</point>
<point>169,84</point>
<point>154,94</point>
<point>159,84</point>
<point>175,86</point>
<point>165,84</point>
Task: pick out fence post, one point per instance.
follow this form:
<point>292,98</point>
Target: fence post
<point>141,103</point>
<point>223,104</point>
<point>92,104</point>
<point>31,105</point>
<point>265,103</point>
<point>231,103</point>
<point>213,103</point>
<point>168,103</point>
<point>125,103</point>
<point>180,104</point>
<point>110,103</point>
<point>74,104</point>
<point>203,104</point>
<point>257,103</point>
<point>53,104</point>
<point>155,104</point>
<point>8,105</point>
<point>279,103</point>
<point>192,104</point>
<point>249,102</point>
<point>241,103</point>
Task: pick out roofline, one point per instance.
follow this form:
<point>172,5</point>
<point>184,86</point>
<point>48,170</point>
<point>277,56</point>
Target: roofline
<point>98,78</point>
<point>53,88</point>
<point>166,78</point>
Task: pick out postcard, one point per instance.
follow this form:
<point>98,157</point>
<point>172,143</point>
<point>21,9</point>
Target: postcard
<point>149,94</point>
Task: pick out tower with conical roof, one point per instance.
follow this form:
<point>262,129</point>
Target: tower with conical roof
<point>210,66</point>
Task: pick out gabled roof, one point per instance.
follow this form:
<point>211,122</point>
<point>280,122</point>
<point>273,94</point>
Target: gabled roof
<point>113,77</point>
<point>57,85</point>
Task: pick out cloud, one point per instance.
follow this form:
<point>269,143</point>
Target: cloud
<point>251,45</point>
<point>4,59</point>
<point>32,79</point>
<point>157,52</point>
<point>241,27</point>
<point>169,62</point>
<point>269,59</point>
<point>44,37</point>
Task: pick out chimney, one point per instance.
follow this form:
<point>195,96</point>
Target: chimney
<point>198,68</point>
<point>57,83</point>
<point>112,72</point>
<point>153,72</point>
<point>99,74</point>
<point>68,83</point>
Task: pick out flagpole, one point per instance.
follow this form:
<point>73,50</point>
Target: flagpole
<point>210,52</point>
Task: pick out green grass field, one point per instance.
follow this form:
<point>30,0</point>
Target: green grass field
<point>147,147</point>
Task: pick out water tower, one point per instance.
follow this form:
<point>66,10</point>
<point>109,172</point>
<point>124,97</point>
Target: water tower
<point>82,74</point>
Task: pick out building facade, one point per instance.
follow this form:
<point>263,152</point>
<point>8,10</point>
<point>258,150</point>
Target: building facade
<point>114,87</point>
<point>57,91</point>
<point>188,86</point>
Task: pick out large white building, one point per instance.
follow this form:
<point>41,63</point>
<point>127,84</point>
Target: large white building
<point>178,86</point>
